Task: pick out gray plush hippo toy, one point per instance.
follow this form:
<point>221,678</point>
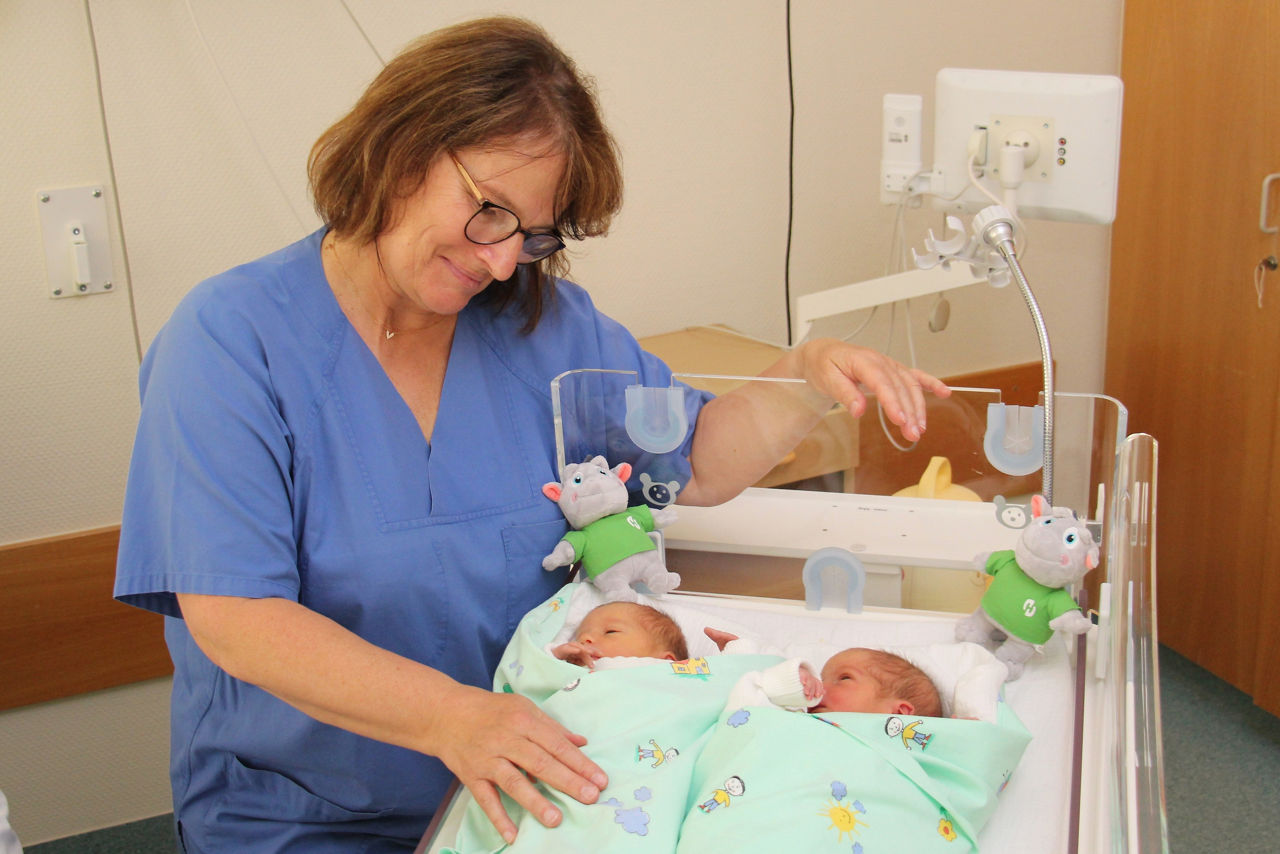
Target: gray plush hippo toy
<point>611,539</point>
<point>1026,602</point>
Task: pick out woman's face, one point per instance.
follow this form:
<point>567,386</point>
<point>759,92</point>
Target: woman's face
<point>427,260</point>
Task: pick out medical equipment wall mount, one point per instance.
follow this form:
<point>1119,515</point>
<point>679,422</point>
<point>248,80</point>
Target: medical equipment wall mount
<point>1049,144</point>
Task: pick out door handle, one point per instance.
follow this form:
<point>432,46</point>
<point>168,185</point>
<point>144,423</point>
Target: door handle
<point>1266,203</point>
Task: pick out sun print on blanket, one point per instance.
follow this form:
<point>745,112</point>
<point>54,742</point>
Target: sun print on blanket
<point>845,818</point>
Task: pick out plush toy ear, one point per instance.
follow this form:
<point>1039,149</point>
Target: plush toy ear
<point>623,471</point>
<point>551,490</point>
<point>1091,560</point>
<point>1039,506</point>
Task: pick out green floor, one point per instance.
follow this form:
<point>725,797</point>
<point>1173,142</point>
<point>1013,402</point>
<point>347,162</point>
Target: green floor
<point>1221,764</point>
<point>151,836</point>
<point>1222,775</point>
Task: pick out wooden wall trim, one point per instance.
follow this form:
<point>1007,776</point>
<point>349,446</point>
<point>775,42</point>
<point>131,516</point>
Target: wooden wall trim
<point>1019,385</point>
<point>61,633</point>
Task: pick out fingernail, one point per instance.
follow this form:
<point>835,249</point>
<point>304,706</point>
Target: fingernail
<point>509,836</point>
<point>589,794</point>
<point>600,779</point>
<point>551,818</point>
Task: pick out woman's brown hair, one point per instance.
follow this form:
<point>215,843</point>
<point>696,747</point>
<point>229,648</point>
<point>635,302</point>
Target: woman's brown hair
<point>491,81</point>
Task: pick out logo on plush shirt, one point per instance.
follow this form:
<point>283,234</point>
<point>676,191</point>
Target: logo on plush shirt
<point>1029,607</point>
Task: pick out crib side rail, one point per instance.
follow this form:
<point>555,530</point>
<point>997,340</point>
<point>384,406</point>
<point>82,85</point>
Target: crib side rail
<point>1126,707</point>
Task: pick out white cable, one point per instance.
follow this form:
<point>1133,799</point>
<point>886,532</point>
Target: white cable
<point>973,179</point>
<point>1021,239</point>
<point>863,325</point>
<point>911,341</point>
<point>888,348</point>
<point>356,21</point>
<point>266,161</point>
<point>783,347</point>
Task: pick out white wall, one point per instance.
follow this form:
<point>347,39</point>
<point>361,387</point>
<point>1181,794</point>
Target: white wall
<point>197,116</point>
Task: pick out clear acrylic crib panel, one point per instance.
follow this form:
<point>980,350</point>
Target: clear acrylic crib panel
<point>1105,476</point>
<point>866,456</point>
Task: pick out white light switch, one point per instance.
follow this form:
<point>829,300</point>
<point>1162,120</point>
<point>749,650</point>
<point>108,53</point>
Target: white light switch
<point>77,249</point>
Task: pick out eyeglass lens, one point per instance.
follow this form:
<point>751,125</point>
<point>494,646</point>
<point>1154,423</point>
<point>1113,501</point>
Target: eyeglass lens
<point>494,224</point>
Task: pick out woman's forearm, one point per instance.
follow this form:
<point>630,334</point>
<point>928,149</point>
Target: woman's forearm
<point>741,435</point>
<point>319,667</point>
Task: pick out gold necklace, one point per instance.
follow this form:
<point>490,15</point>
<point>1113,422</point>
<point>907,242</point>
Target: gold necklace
<point>350,286</point>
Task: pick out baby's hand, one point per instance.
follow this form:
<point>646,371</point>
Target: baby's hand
<point>720,637</point>
<point>576,653</point>
<point>813,690</point>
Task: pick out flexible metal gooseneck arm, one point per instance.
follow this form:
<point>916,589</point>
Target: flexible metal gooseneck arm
<point>995,225</point>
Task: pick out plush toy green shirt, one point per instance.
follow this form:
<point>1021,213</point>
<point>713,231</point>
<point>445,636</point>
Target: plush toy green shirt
<point>606,541</point>
<point>1022,606</point>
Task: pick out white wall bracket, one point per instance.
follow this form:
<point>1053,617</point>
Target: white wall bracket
<point>887,289</point>
<point>77,248</point>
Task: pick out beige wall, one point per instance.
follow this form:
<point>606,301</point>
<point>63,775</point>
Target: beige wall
<point>197,117</point>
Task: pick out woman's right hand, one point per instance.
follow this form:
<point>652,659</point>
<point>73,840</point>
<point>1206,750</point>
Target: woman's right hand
<point>494,742</point>
<point>490,741</point>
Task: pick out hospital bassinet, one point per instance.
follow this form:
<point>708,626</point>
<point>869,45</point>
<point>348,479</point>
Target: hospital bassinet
<point>778,558</point>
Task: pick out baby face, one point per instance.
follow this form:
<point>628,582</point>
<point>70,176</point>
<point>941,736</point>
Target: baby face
<point>618,629</point>
<point>851,687</point>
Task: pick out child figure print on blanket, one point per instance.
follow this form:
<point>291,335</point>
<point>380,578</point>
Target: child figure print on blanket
<point>687,742</point>
<point>871,716</point>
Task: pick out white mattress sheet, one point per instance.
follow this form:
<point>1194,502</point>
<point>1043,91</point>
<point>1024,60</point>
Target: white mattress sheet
<point>1034,807</point>
<point>1033,812</point>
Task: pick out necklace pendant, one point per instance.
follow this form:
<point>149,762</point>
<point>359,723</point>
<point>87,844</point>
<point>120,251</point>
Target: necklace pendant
<point>389,334</point>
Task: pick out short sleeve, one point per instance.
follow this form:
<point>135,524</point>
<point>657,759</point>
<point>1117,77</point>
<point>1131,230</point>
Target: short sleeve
<point>208,502</point>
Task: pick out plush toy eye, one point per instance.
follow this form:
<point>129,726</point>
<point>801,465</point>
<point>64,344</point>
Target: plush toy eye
<point>1071,537</point>
<point>577,479</point>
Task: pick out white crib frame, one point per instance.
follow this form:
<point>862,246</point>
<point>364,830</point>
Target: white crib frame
<point>1117,785</point>
<point>1117,790</point>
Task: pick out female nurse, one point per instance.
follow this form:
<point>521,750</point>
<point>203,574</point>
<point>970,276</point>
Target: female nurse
<point>335,496</point>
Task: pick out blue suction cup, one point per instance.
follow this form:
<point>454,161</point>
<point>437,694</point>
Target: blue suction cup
<point>656,418</point>
<point>832,564</point>
<point>1014,441</point>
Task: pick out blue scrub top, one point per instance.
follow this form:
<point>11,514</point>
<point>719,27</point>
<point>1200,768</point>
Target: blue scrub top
<point>274,458</point>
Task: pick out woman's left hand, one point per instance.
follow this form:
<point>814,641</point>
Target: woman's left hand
<point>847,373</point>
<point>743,433</point>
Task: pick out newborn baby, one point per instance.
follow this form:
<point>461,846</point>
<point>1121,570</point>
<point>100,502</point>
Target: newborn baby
<point>623,629</point>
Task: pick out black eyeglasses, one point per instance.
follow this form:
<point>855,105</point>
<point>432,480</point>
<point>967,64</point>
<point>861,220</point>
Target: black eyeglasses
<point>494,224</point>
